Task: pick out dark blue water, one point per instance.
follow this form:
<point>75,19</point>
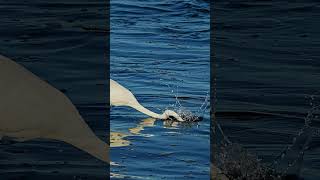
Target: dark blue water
<point>50,39</point>
<point>160,50</point>
<point>267,63</point>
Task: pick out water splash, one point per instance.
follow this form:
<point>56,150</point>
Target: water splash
<point>237,163</point>
<point>187,115</point>
<point>291,159</point>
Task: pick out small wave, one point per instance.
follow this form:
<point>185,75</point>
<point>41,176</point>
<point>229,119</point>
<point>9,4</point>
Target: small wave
<point>236,162</point>
<point>255,114</point>
<point>242,5</point>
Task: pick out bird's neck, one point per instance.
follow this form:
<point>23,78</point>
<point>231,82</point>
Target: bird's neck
<point>146,111</point>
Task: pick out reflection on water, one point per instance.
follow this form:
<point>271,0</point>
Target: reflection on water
<point>120,176</point>
<point>118,139</point>
<point>149,122</point>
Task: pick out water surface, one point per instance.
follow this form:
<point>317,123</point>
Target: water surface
<point>49,39</point>
<point>160,50</point>
<point>267,64</point>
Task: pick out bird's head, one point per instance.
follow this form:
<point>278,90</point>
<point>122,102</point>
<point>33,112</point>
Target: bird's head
<point>181,117</point>
<point>169,114</point>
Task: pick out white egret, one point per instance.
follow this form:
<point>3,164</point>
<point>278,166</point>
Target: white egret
<point>31,108</point>
<point>121,96</point>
